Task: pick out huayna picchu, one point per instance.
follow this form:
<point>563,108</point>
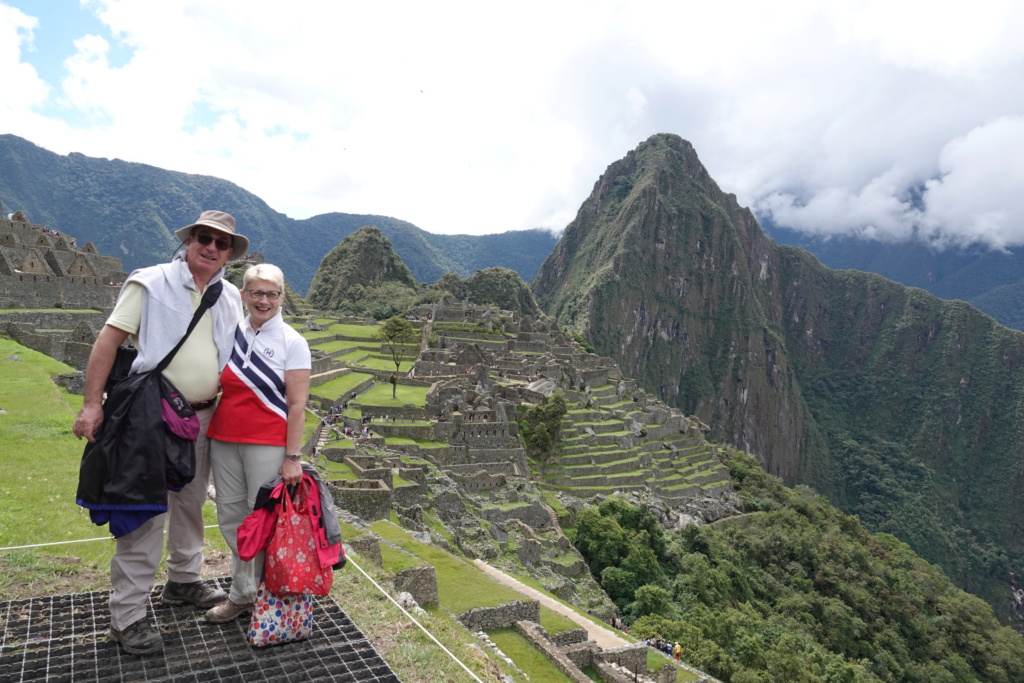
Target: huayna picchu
<point>900,407</point>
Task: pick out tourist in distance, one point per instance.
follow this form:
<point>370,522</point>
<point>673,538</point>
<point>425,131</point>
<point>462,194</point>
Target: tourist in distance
<point>155,306</point>
<point>256,431</point>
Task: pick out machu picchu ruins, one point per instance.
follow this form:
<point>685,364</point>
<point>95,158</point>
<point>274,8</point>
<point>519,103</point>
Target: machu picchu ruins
<point>54,293</point>
<point>446,459</point>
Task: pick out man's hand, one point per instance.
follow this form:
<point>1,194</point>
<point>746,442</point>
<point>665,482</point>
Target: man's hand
<point>101,359</point>
<point>89,419</point>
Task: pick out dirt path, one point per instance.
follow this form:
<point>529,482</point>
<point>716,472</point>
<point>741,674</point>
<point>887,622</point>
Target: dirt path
<point>605,637</point>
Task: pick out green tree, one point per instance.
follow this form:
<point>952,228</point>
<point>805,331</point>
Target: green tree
<point>651,599</point>
<point>600,540</point>
<point>396,333</point>
<point>619,584</point>
<point>541,426</point>
<point>642,561</point>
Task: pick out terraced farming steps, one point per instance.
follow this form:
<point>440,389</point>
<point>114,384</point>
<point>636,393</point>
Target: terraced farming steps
<point>604,449</point>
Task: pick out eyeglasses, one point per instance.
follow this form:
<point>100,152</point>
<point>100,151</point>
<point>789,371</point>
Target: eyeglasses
<point>204,238</point>
<point>257,295</point>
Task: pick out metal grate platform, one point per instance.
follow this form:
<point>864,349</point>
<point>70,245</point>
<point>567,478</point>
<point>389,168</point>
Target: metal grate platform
<point>64,638</point>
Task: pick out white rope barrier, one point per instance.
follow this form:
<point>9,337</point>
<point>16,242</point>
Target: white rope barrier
<point>80,540</point>
<point>413,620</point>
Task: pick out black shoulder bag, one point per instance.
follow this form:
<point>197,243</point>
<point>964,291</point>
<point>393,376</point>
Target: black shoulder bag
<point>146,443</point>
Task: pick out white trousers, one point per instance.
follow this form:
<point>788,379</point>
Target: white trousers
<point>239,470</point>
<point>133,567</point>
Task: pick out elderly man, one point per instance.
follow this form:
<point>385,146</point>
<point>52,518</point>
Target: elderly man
<point>156,305</point>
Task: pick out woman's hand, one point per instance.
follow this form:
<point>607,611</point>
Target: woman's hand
<point>291,470</point>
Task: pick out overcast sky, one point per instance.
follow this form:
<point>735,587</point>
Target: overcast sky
<point>881,118</point>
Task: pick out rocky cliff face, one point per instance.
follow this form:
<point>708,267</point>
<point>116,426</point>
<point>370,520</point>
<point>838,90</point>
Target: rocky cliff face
<point>664,271</point>
<point>902,408</point>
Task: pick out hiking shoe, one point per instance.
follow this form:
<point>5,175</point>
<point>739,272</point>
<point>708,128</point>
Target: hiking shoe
<point>226,611</point>
<point>202,595</point>
<point>140,638</point>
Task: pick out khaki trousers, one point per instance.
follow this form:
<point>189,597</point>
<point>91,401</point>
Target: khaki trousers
<point>239,470</point>
<point>133,567</point>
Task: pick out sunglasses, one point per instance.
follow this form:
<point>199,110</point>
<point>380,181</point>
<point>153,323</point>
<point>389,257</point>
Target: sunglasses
<point>204,238</point>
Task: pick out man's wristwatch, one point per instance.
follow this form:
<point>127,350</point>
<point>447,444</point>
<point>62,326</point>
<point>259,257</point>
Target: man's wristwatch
<point>295,456</point>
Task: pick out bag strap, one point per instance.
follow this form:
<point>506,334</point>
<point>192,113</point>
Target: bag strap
<point>210,297</point>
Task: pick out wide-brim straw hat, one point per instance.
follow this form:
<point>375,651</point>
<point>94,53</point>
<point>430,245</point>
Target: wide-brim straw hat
<point>222,222</point>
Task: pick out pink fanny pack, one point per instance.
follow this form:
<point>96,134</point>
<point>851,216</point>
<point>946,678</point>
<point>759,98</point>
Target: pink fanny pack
<point>179,418</point>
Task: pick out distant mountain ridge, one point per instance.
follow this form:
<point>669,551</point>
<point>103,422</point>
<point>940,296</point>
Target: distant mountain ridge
<point>990,280</point>
<point>900,407</point>
<point>130,210</point>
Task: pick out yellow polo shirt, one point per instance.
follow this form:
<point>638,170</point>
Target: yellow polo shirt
<point>195,369</point>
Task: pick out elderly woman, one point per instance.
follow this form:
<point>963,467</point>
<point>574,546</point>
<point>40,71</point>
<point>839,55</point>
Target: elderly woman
<point>256,431</point>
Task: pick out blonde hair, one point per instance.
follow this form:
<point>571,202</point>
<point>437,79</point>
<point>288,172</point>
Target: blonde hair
<point>263,271</point>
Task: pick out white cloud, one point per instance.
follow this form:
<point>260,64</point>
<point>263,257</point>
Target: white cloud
<point>879,210</point>
<point>979,196</point>
<point>474,117</point>
<point>23,88</point>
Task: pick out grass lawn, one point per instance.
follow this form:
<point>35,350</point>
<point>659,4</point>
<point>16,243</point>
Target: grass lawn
<point>529,659</point>
<point>335,442</point>
<point>39,468</point>
<point>395,560</point>
<point>379,363</point>
<point>380,396</point>
<point>461,586</point>
<point>656,662</point>
<point>355,331</point>
<point>313,337</point>
<point>398,480</point>
<point>334,346</point>
<point>340,386</point>
<point>409,441</point>
<point>430,444</point>
<point>332,471</point>
<point>310,426</point>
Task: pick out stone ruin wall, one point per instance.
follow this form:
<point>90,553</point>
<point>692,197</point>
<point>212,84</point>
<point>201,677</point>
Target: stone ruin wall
<point>478,481</point>
<point>506,468</point>
<point>420,583</point>
<point>370,499</point>
<point>368,548</point>
<point>502,616</point>
<point>532,515</point>
<point>42,270</point>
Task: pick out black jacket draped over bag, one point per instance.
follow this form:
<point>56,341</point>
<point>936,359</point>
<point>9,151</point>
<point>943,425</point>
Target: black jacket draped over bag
<point>135,458</point>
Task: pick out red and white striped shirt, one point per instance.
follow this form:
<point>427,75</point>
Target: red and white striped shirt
<point>254,407</point>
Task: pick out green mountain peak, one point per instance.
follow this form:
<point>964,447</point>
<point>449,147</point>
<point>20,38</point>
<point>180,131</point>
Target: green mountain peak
<point>362,259</point>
